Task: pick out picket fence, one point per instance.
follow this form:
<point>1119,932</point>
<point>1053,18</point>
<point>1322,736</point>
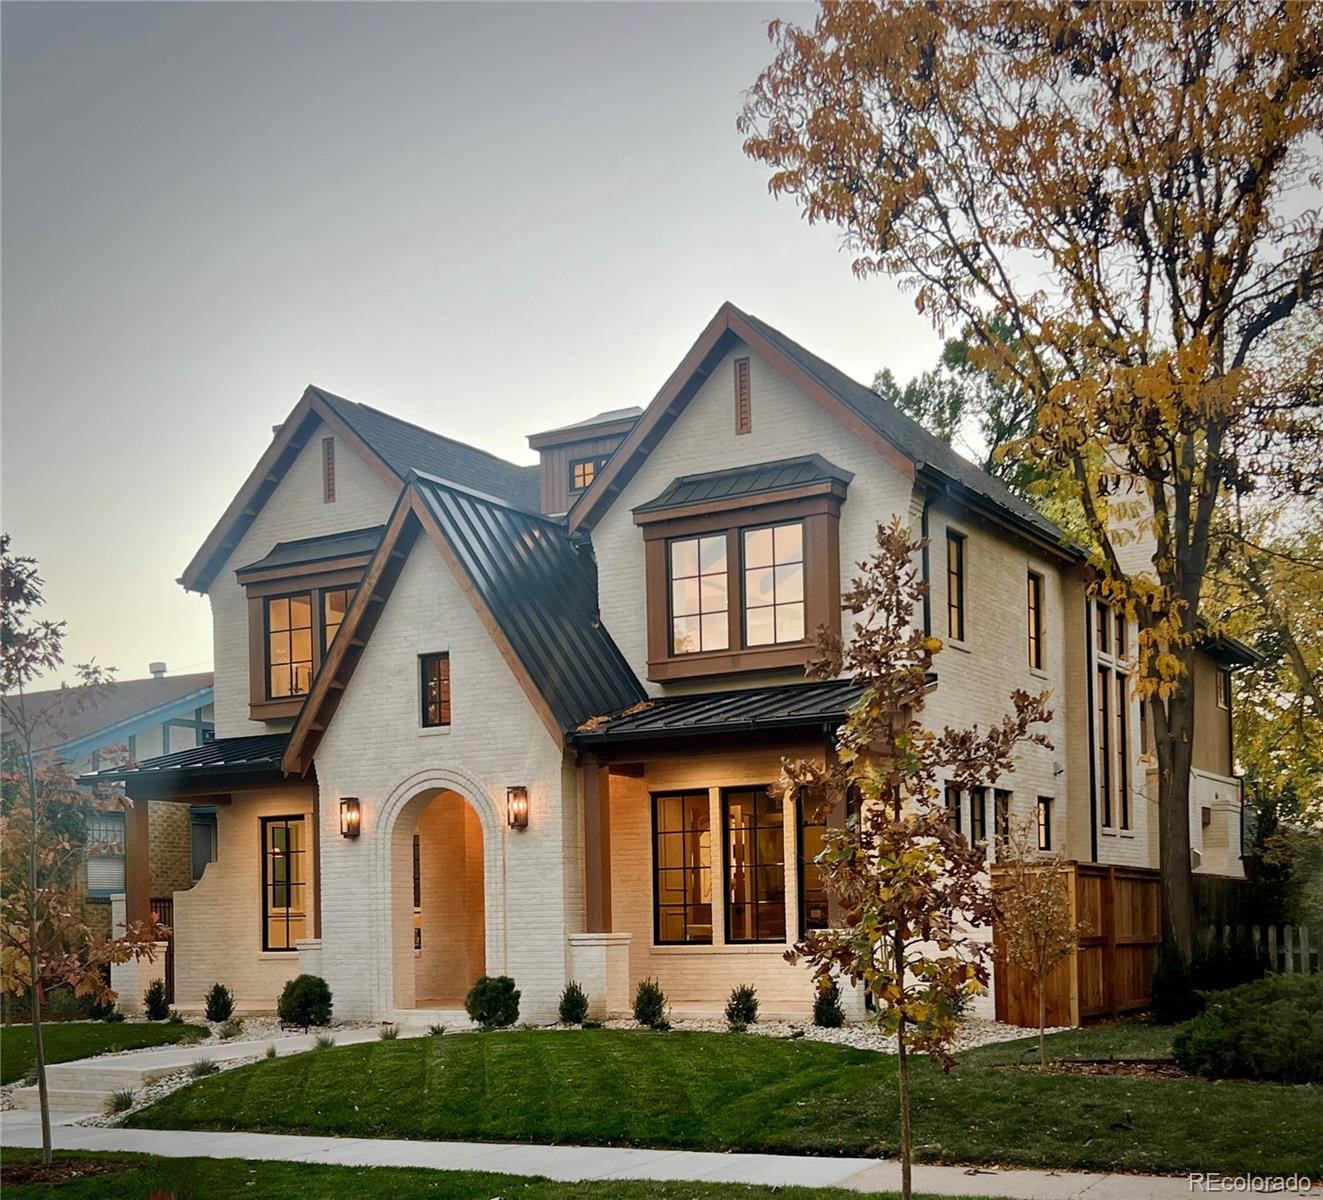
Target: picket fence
<point>1291,949</point>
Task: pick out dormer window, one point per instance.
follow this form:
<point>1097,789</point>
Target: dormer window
<point>742,566</point>
<point>583,471</point>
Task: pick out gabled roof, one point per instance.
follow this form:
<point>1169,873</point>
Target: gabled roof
<point>392,447</point>
<point>737,482</point>
<point>603,424</point>
<point>353,543</point>
<point>876,421</point>
<point>531,588</point>
<point>804,705</point>
<point>73,721</point>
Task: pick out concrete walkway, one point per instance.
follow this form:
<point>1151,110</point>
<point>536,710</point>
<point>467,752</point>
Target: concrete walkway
<point>575,1163</point>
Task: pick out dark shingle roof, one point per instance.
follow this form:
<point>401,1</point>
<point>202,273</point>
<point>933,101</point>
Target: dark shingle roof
<point>907,434</point>
<point>797,705</point>
<point>543,595</point>
<point>407,447</point>
<point>353,543</point>
<point>746,481</point>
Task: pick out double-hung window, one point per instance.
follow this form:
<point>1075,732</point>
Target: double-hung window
<point>284,883</point>
<point>682,867</point>
<point>754,821</point>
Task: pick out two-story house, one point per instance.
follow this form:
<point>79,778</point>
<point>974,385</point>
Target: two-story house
<point>478,717</point>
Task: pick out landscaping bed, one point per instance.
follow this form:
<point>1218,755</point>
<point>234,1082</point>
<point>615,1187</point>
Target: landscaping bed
<point>712,1091</point>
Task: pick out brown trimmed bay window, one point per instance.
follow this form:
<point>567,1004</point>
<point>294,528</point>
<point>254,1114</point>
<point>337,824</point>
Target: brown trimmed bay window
<point>284,883</point>
<point>741,588</point>
<point>754,821</point>
<point>682,868</point>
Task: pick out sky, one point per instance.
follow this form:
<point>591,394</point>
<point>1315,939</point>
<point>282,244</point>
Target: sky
<point>488,219</point>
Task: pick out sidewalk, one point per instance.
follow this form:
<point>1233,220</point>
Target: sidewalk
<point>578,1163</point>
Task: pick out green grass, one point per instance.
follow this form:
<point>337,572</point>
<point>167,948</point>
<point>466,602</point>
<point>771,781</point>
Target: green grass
<point>703,1091</point>
<point>69,1040</point>
<point>232,1179</point>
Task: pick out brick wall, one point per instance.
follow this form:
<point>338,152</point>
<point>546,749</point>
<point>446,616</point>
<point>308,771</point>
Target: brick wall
<point>170,868</point>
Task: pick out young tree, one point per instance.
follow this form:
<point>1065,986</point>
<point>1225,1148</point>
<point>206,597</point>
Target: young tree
<point>45,938</point>
<point>1131,188</point>
<point>912,890</point>
<point>1035,924</point>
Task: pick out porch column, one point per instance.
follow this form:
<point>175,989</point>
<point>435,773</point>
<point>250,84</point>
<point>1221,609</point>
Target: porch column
<point>596,783</point>
<point>137,865</point>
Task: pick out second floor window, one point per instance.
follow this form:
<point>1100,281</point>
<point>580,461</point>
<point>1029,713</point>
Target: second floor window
<point>774,584</point>
<point>955,585</point>
<point>105,853</point>
<point>700,605</point>
<point>1035,614</point>
<point>435,670</point>
<point>978,815</point>
<point>288,645</point>
<point>583,471</point>
<point>334,606</point>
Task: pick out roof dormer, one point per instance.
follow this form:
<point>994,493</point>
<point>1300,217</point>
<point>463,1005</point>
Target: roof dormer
<point>572,455</point>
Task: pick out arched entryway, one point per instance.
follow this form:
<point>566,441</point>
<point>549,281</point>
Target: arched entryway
<point>439,907</point>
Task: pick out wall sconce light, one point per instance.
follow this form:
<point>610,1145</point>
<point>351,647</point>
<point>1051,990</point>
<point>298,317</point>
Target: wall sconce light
<point>516,807</point>
<point>351,817</point>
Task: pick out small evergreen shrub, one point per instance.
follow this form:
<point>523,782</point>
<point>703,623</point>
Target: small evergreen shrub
<point>220,1003</point>
<point>573,1004</point>
<point>650,1005</point>
<point>99,1011</point>
<point>493,1002</point>
<point>388,1033</point>
<point>742,1008</point>
<point>155,1006</point>
<point>113,1016</point>
<point>324,1042</point>
<point>1270,1029</point>
<point>118,1102</point>
<point>827,1010</point>
<point>230,1029</point>
<point>305,1001</point>
<point>1174,996</point>
<point>200,1068</point>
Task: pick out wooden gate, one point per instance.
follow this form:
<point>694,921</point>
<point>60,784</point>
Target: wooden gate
<point>163,912</point>
<point>1112,971</point>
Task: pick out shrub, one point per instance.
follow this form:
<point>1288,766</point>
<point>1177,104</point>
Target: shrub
<point>1174,997</point>
<point>200,1068</point>
<point>230,1029</point>
<point>742,1008</point>
<point>155,1005</point>
<point>436,1030</point>
<point>1269,1029</point>
<point>493,1002</point>
<point>101,1012</point>
<point>324,1042</point>
<point>650,1005</point>
<point>827,1010</point>
<point>220,1003</point>
<point>1218,965</point>
<point>306,1001</point>
<point>388,1033</point>
<point>118,1102</point>
<point>175,1017</point>
<point>113,1016</point>
<point>271,1050</point>
<point>573,1004</point>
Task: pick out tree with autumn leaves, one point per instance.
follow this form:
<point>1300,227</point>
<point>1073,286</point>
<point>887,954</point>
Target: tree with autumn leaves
<point>45,940</point>
<point>914,894</point>
<point>1119,203</point>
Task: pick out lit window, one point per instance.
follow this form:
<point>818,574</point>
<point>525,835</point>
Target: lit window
<point>1035,621</point>
<point>682,865</point>
<point>774,584</point>
<point>284,883</point>
<point>813,908</point>
<point>955,585</point>
<point>755,866</point>
<point>699,601</point>
<point>289,645</point>
<point>1044,823</point>
<point>435,671</point>
<point>334,606</point>
<point>583,471</point>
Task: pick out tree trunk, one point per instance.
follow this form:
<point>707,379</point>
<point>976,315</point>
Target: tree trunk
<point>903,1084</point>
<point>1042,1020</point>
<point>1174,739</point>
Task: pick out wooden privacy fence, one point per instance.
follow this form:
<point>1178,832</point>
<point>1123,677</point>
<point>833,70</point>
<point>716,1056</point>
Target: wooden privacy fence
<point>1112,971</point>
<point>1291,949</point>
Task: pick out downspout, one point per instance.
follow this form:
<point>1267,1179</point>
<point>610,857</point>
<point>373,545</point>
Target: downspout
<point>1093,756</point>
<point>927,598</point>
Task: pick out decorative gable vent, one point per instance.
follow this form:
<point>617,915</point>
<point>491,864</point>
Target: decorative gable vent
<point>328,470</point>
<point>743,398</point>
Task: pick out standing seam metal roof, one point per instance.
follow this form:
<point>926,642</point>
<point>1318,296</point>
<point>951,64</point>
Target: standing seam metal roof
<point>543,595</point>
<point>733,482</point>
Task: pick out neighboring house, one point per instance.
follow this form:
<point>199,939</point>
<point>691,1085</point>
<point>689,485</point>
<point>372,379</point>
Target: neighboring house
<point>477,717</point>
<point>129,721</point>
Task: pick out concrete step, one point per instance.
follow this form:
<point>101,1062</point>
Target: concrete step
<point>77,1100</point>
<point>109,1078</point>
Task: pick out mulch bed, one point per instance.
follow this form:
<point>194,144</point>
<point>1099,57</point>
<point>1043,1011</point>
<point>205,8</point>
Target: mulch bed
<point>1134,1068</point>
<point>61,1170</point>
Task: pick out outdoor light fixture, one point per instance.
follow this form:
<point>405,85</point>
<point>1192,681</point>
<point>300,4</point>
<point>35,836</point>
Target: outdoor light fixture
<point>516,807</point>
<point>351,819</point>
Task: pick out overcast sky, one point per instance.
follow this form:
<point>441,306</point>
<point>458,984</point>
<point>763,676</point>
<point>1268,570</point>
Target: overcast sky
<point>489,219</point>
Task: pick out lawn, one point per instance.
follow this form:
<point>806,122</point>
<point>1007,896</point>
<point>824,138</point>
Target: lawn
<point>68,1040</point>
<point>714,1091</point>
<point>230,1179</point>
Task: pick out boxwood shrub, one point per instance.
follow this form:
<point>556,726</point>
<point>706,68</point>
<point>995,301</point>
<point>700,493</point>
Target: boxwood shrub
<point>1270,1029</point>
<point>493,1002</point>
<point>306,1001</point>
